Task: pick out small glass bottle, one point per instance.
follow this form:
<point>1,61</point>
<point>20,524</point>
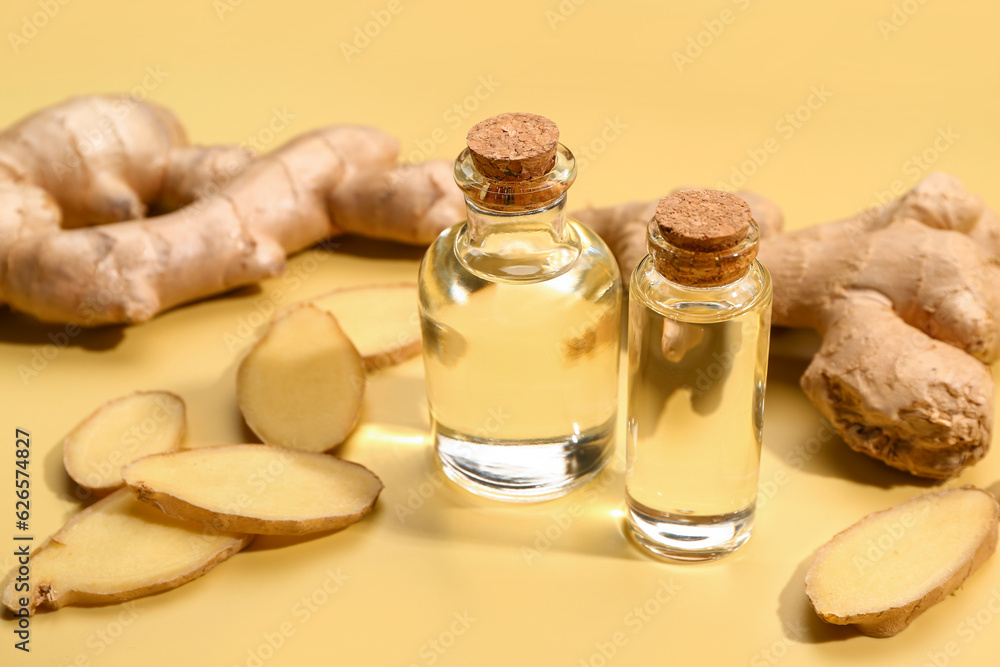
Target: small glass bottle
<point>699,326</point>
<point>521,311</point>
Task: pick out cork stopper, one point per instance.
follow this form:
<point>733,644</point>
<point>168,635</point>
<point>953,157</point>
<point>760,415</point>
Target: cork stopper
<point>702,238</point>
<point>514,146</point>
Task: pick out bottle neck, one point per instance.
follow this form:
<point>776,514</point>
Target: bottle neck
<point>544,225</point>
<point>518,247</point>
<point>517,230</point>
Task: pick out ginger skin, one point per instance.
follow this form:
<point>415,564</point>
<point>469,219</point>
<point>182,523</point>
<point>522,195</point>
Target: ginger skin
<point>905,299</point>
<point>75,245</point>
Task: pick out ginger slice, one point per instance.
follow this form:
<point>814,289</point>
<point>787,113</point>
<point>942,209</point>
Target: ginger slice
<point>120,431</point>
<point>115,550</point>
<point>893,565</point>
<point>302,383</point>
<point>256,488</point>
<point>382,321</point>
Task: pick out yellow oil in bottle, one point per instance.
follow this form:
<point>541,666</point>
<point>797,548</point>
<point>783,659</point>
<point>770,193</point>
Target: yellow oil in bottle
<point>696,376</point>
<point>521,345</point>
<point>695,432</point>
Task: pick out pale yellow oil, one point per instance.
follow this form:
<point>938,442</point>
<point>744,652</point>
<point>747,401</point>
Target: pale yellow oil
<point>697,369</point>
<point>521,351</point>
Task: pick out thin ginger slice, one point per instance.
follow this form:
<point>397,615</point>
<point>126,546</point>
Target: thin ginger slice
<point>890,567</point>
<point>256,488</point>
<point>120,431</point>
<point>302,384</point>
<point>115,550</point>
<point>382,321</point>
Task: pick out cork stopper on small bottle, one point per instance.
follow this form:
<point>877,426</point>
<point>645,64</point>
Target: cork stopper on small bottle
<point>514,146</point>
<point>702,238</point>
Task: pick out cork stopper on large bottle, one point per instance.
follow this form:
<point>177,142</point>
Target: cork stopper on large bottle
<point>702,238</point>
<point>514,146</point>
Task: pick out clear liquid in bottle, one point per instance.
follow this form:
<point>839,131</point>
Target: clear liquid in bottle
<point>696,376</point>
<point>520,309</point>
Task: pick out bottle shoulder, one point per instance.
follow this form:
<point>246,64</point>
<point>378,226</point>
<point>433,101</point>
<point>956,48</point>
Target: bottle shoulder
<point>701,304</point>
<point>521,259</point>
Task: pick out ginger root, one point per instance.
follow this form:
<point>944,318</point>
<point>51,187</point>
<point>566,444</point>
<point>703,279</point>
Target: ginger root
<point>110,160</point>
<point>302,492</point>
<point>905,298</point>
<point>119,549</point>
<point>382,321</point>
<point>120,431</point>
<point>302,384</point>
<point>892,566</point>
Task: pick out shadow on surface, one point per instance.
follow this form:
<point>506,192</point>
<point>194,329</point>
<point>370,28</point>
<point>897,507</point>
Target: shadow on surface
<point>20,329</point>
<point>268,542</point>
<point>836,459</point>
<point>359,246</point>
<point>59,482</point>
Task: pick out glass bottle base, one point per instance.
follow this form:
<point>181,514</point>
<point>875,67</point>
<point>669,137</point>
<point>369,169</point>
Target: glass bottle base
<point>523,470</point>
<point>688,538</point>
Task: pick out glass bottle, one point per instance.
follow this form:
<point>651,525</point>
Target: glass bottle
<point>699,326</point>
<point>521,309</point>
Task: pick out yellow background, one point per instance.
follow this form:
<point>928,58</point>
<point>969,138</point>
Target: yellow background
<point>895,76</point>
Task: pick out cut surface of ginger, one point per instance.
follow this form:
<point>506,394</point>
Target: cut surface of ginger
<point>302,384</point>
<point>256,488</point>
<point>119,549</point>
<point>120,431</point>
<point>888,568</point>
<point>383,321</point>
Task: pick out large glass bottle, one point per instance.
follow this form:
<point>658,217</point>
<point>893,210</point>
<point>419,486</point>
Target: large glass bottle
<point>520,309</point>
<point>699,326</point>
